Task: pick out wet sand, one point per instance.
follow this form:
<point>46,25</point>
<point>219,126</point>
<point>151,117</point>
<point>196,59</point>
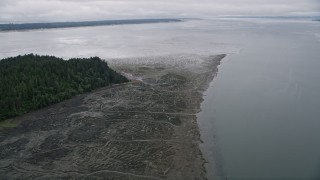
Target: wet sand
<point>145,129</point>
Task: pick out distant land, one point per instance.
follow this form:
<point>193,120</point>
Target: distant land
<point>274,17</point>
<point>31,26</point>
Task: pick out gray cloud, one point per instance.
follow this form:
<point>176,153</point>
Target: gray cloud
<point>74,10</point>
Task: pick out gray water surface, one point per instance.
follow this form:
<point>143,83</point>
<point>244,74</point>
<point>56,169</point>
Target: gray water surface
<point>261,114</point>
<point>264,106</point>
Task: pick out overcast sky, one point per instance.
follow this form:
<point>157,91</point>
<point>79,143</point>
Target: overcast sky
<point>75,10</point>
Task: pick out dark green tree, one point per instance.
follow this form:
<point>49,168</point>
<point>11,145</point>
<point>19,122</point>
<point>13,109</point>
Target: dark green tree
<point>31,81</point>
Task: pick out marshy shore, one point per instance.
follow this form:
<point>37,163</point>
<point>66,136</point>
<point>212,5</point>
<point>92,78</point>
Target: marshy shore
<point>145,129</point>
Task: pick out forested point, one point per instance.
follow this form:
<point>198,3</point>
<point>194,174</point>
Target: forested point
<point>30,82</point>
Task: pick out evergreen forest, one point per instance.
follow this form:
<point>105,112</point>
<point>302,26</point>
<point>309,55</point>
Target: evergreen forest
<point>30,82</point>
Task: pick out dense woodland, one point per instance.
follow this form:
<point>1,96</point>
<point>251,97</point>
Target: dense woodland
<point>31,81</point>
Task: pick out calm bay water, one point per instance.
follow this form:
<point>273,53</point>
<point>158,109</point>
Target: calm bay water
<point>264,106</point>
<point>261,114</point>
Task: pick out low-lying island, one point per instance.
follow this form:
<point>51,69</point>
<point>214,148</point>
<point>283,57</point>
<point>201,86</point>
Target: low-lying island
<point>143,129</point>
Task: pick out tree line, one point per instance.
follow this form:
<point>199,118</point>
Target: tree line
<point>31,81</point>
<point>28,26</point>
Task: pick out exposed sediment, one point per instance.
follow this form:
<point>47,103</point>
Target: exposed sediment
<point>145,129</point>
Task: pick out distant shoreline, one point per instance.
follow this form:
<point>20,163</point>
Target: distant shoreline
<point>52,25</point>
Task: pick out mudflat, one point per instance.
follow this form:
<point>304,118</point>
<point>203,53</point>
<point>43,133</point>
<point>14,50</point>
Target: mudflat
<point>145,129</point>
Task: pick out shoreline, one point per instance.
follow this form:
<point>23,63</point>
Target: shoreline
<point>146,129</point>
<point>78,24</point>
<point>209,142</point>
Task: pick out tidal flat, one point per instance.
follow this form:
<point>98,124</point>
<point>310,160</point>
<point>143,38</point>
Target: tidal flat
<point>144,129</point>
